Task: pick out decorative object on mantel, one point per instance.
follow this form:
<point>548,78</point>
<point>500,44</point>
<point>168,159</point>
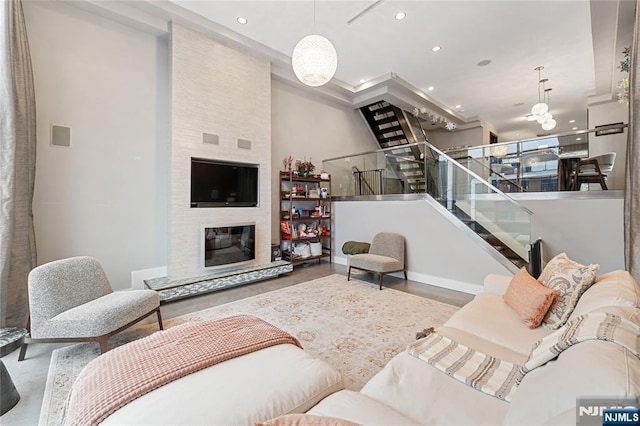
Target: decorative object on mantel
<point>286,163</point>
<point>305,168</point>
<point>314,59</point>
<point>623,85</point>
<point>434,118</point>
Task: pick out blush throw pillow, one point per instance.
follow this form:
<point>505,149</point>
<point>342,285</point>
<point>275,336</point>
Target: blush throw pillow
<point>530,299</point>
<point>570,280</point>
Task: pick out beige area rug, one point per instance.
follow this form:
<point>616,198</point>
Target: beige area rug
<point>350,324</point>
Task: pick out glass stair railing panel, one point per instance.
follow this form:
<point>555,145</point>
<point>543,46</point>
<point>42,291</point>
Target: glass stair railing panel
<point>404,169</point>
<point>490,213</point>
<point>356,175</point>
<point>423,169</point>
<point>533,165</point>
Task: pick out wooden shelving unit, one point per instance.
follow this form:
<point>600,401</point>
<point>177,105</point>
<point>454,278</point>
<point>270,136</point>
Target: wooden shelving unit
<point>305,219</point>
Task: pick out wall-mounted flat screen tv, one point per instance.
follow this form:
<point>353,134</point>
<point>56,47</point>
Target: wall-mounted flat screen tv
<point>224,246</point>
<point>223,184</point>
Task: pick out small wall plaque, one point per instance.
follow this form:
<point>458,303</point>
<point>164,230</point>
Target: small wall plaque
<point>611,131</point>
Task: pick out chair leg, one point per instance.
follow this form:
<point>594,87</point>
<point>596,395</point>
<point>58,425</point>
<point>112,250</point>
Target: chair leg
<point>103,344</point>
<point>405,275</point>
<point>381,278</point>
<point>23,352</point>
<point>603,185</point>
<point>349,274</point>
<point>159,319</point>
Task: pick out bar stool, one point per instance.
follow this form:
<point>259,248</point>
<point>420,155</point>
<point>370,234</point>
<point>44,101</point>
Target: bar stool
<point>593,170</point>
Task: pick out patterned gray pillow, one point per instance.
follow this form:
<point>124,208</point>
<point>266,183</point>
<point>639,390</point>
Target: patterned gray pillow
<point>570,280</point>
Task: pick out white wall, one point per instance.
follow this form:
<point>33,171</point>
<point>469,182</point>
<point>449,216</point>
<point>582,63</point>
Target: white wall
<point>304,125</point>
<point>603,114</point>
<point>222,91</point>
<point>106,195</point>
<point>444,139</point>
<point>589,230</point>
<point>438,253</point>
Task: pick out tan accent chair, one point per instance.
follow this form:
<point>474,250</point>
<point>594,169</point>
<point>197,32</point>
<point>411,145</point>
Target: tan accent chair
<point>386,255</point>
<point>71,300</point>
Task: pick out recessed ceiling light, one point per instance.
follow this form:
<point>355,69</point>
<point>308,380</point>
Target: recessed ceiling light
<point>578,139</point>
<point>431,88</point>
<point>484,62</point>
<point>572,121</point>
<point>400,15</point>
<point>574,128</point>
<point>436,48</point>
<point>362,80</point>
<point>458,106</point>
<point>242,20</point>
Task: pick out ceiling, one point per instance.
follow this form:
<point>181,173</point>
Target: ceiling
<point>579,43</point>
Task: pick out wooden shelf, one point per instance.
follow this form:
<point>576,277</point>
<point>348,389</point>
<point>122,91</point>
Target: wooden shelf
<point>296,178</point>
<point>296,259</point>
<point>288,181</point>
<point>304,199</point>
<point>305,218</point>
<point>311,239</point>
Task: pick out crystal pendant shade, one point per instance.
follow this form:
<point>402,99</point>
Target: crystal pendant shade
<point>499,151</point>
<point>548,125</point>
<point>314,60</point>
<point>539,108</point>
<point>544,117</point>
<point>540,111</point>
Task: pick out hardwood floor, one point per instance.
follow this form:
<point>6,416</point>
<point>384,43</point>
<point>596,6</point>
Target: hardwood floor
<point>301,274</point>
<point>30,375</point>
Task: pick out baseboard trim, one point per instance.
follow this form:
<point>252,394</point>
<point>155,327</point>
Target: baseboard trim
<point>447,283</point>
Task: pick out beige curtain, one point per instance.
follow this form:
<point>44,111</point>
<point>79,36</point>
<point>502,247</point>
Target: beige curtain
<point>17,165</point>
<point>632,186</point>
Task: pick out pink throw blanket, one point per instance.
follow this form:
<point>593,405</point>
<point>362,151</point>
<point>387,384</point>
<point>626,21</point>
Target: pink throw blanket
<point>125,373</point>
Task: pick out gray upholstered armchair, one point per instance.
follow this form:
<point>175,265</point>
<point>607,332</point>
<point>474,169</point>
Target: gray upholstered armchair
<point>385,255</point>
<point>71,300</point>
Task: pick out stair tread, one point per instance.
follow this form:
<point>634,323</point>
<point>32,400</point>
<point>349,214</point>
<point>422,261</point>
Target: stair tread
<point>385,120</point>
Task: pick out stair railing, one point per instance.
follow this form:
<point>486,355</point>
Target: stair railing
<point>487,210</point>
<point>363,178</point>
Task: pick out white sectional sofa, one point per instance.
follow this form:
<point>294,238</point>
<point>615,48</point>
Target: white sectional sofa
<point>409,391</point>
<point>257,386</point>
<point>285,379</point>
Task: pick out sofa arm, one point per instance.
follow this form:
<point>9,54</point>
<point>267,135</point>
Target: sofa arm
<point>496,284</point>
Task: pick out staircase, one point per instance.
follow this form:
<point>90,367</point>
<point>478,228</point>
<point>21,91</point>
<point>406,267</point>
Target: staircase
<point>421,168</point>
<point>392,129</point>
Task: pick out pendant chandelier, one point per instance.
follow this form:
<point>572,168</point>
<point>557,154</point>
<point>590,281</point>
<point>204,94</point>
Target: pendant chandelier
<point>547,120</point>
<point>314,59</point>
<point>540,111</point>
